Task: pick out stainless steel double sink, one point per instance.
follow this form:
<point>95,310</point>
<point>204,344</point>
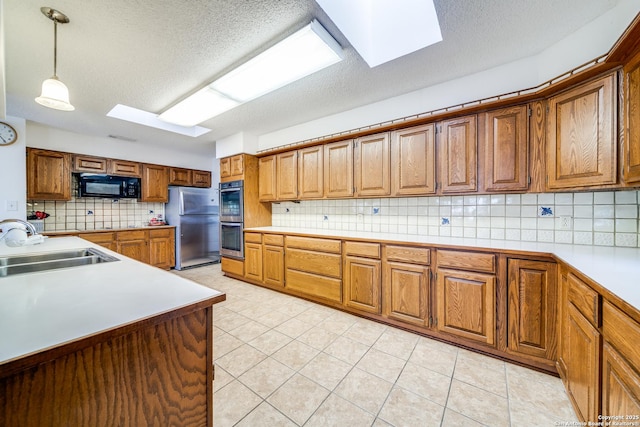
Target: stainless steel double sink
<point>21,264</point>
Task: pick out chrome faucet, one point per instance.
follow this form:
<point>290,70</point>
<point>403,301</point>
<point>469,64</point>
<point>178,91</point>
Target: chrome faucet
<point>12,223</point>
<point>21,239</point>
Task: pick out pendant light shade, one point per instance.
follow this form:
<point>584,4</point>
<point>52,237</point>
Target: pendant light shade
<point>55,93</point>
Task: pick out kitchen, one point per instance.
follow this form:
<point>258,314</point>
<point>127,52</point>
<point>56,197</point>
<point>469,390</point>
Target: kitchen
<point>506,218</point>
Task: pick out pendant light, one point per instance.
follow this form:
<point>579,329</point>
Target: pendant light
<point>54,93</point>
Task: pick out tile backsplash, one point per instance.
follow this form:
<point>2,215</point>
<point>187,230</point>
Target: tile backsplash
<point>609,218</point>
<point>96,214</point>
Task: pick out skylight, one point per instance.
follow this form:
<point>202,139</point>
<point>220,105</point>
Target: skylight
<point>146,118</point>
<point>383,30</point>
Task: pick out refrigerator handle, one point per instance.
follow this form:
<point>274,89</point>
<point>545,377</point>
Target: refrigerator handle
<point>181,203</point>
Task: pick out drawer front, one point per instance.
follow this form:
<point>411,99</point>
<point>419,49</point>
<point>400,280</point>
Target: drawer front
<point>98,237</point>
<point>319,263</point>
<point>421,256</point>
<point>89,164</point>
<point>273,239</point>
<point>622,332</point>
<point>160,233</point>
<point>132,235</point>
<point>368,250</point>
<point>585,299</point>
<point>461,260</point>
<point>313,244</point>
<point>121,167</point>
<point>232,266</point>
<point>253,237</point>
<point>317,286</point>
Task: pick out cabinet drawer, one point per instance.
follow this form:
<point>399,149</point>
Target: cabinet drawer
<point>160,233</point>
<point>253,237</point>
<point>622,332</point>
<point>273,239</point>
<point>420,256</point>
<point>98,237</point>
<point>314,285</point>
<point>319,263</point>
<point>131,235</point>
<point>368,250</point>
<point>585,299</point>
<point>123,167</point>
<point>232,266</point>
<point>89,164</point>
<point>461,260</point>
<point>311,243</point>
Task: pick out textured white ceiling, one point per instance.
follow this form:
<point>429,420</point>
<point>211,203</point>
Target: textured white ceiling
<point>150,54</point>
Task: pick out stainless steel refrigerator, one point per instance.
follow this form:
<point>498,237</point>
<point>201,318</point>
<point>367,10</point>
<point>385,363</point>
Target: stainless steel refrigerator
<point>195,213</point>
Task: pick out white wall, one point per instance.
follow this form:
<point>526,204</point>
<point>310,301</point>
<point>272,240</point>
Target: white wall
<point>13,173</point>
<point>241,142</point>
<point>46,137</point>
<point>589,42</point>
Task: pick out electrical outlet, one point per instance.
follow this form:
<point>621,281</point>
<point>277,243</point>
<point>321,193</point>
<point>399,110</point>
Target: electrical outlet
<point>565,223</point>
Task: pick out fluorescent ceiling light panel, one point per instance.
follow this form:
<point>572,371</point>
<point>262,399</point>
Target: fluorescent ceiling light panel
<point>306,51</point>
<point>145,118</point>
<point>383,30</point>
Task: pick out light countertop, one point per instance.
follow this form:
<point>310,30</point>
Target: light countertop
<point>616,269</point>
<point>42,310</point>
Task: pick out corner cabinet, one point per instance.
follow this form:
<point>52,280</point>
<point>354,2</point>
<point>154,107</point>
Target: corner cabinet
<point>582,136</point>
<point>155,183</point>
<point>48,175</point>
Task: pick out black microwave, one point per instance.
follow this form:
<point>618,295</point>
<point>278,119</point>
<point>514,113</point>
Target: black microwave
<point>108,186</point>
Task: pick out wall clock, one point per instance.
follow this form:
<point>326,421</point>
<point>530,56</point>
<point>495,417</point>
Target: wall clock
<point>8,134</point>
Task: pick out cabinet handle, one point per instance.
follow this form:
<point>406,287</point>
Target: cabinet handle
<point>595,311</point>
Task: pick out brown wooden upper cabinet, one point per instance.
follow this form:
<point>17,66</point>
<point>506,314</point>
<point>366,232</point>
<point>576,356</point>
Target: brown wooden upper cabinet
<point>189,177</point>
<point>232,168</point>
<point>506,150</point>
<point>124,167</point>
<point>338,169</point>
<point>371,165</point>
<point>581,136</point>
<point>201,178</point>
<point>48,175</point>
<point>287,175</point>
<point>631,152</point>
<point>82,163</point>
<point>155,183</point>
<point>310,172</point>
<point>266,178</point>
<point>413,161</point>
<point>458,147</point>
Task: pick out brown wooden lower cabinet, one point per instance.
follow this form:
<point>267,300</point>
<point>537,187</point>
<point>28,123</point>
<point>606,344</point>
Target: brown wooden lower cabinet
<point>107,240</point>
<point>162,248</point>
<point>362,284</point>
<point>253,261</point>
<point>273,265</point>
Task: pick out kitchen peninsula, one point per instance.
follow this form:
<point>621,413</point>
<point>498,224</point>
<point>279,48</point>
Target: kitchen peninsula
<point>118,342</point>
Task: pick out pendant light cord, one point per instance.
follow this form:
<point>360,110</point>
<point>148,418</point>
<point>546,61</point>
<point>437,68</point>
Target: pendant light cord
<point>55,47</point>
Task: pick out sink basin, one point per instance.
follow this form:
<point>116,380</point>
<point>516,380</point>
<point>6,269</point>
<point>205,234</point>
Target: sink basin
<point>20,264</point>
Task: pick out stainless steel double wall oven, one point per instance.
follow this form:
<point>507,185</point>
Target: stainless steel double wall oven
<point>232,219</point>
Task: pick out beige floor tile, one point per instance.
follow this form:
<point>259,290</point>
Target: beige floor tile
<point>313,316</point>
<point>380,423</point>
<point>249,331</point>
<point>256,311</point>
<point>222,378</point>
<point>272,318</point>
<point>295,354</point>
<point>381,365</point>
<point>364,389</point>
<point>270,342</point>
<point>264,378</point>
<point>293,327</point>
<point>265,415</point>
<point>425,383</point>
<point>326,370</point>
<point>219,311</point>
<point>404,408</point>
<point>480,405</point>
<point>397,343</point>
<point>317,338</point>
<point>454,419</point>
<point>433,344</point>
<point>365,332</point>
<point>225,344</point>
<point>239,305</point>
<point>439,361</point>
<point>523,413</point>
<point>298,398</point>
<point>338,323</point>
<point>232,403</point>
<point>293,308</point>
<point>240,360</point>
<point>335,411</point>
<point>231,320</point>
<point>346,350</point>
<point>476,371</point>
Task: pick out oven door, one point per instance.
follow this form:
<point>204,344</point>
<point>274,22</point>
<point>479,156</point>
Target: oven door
<point>231,201</point>
<point>231,242</point>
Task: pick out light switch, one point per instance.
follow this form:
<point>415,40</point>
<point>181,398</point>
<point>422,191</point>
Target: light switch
<point>12,205</point>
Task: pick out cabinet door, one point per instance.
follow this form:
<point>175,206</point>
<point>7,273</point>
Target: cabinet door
<point>253,261</point>
<point>506,149</point>
<point>201,179</point>
<point>267,178</point>
<point>413,161</point>
<point>89,164</point>
<point>225,167</point>
<point>458,146</point>
<point>134,245</point>
<point>581,136</point>
<point>310,172</point>
<point>631,154</point>
<point>287,169</point>
<point>371,165</point>
<point>362,284</point>
<point>162,248</point>
<point>406,292</point>
<point>531,308</point>
<point>338,169</point>
<point>124,167</point>
<point>581,351</point>
<point>237,165</point>
<point>620,385</point>
<point>273,265</point>
<point>155,183</point>
<point>48,175</point>
<point>106,240</point>
<point>466,305</point>
<point>180,176</point>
